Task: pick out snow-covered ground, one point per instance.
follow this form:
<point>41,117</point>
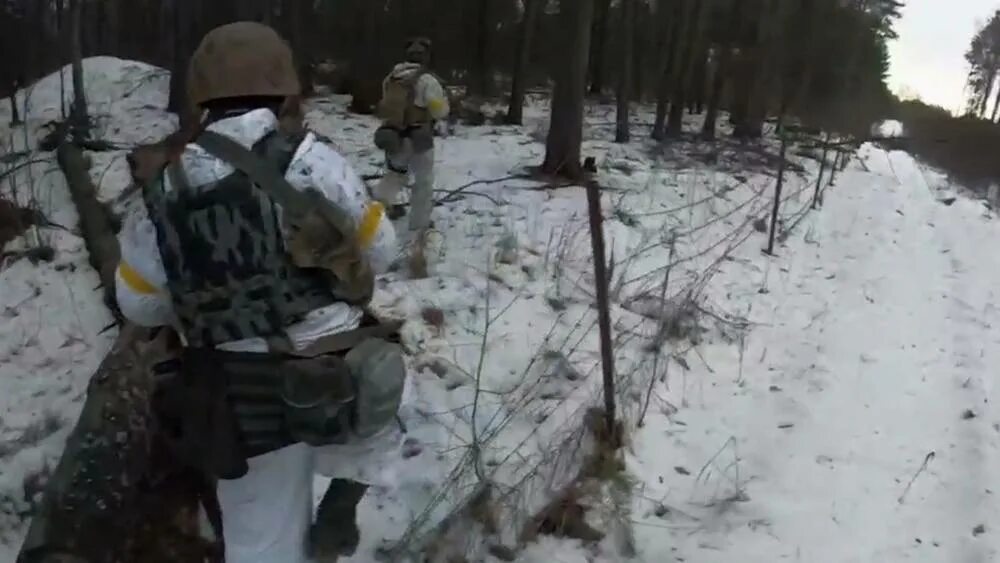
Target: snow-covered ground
<point>796,422</point>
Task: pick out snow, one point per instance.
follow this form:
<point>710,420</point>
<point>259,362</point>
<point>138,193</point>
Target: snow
<point>800,435</point>
<point>873,340</point>
<point>890,128</point>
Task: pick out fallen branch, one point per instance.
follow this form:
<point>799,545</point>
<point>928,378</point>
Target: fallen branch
<point>457,191</point>
<point>923,466</point>
<point>115,495</point>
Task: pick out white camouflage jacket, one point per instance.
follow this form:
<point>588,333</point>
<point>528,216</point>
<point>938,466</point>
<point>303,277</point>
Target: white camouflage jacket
<point>141,279</point>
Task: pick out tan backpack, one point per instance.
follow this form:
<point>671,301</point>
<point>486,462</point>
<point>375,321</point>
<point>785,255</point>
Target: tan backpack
<point>397,109</point>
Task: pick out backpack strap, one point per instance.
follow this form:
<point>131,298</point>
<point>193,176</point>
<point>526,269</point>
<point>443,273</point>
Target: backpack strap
<point>330,232</point>
<point>294,202</point>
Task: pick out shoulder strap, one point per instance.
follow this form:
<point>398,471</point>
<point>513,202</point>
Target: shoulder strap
<point>259,170</point>
<point>297,204</point>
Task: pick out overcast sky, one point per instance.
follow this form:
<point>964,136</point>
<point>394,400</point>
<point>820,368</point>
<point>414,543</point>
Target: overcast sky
<point>928,58</point>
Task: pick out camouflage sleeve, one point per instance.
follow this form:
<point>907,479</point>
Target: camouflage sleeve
<point>318,165</point>
<point>140,280</point>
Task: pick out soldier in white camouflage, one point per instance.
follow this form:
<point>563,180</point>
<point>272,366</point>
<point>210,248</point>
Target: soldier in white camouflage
<point>413,101</point>
<point>258,244</point>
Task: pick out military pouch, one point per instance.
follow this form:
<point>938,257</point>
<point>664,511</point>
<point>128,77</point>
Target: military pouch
<point>317,394</point>
<point>388,139</point>
<point>195,415</point>
<point>421,137</point>
<point>379,375</point>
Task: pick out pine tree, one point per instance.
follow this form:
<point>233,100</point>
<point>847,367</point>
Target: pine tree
<point>562,146</point>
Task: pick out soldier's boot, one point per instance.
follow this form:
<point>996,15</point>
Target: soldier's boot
<point>335,533</point>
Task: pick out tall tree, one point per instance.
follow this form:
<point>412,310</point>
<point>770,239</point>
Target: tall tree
<point>526,32</point>
<point>299,16</point>
<point>562,146</point>
<point>598,46</point>
<point>181,51</point>
<point>983,57</point>
<point>643,49</point>
<point>78,115</point>
<point>366,82</point>
<point>624,94</point>
<point>672,18</point>
<point>694,48</point>
<point>481,74</point>
<point>722,34</point>
<point>750,104</point>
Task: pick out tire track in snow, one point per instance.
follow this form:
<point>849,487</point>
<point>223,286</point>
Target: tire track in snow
<point>970,453</point>
<point>864,389</point>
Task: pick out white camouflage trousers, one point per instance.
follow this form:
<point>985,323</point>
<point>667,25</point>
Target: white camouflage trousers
<point>399,165</point>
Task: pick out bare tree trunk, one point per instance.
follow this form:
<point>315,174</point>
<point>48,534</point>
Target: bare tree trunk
<point>747,123</point>
<point>669,58</point>
<point>644,22</point>
<point>699,80</point>
<point>515,112</point>
<point>182,50</point>
<point>839,154</point>
<point>299,13</point>
<point>817,194</point>
<point>987,94</point>
<point>725,56</point>
<point>599,45</point>
<point>996,107</point>
<point>481,73</point>
<point>366,84</point>
<point>33,20</point>
<point>693,47</point>
<point>15,116</point>
<point>562,147</point>
<point>777,195</point>
<point>101,30</point>
<point>78,116</point>
<point>114,494</point>
<point>625,74</point>
<point>750,105</point>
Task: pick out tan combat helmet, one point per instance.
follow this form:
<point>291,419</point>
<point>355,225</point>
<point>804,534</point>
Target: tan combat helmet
<point>241,59</point>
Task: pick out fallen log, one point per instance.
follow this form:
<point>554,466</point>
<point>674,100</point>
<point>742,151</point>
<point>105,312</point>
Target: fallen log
<point>104,456</point>
<point>96,222</point>
<point>115,495</point>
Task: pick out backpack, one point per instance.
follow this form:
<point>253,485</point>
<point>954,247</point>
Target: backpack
<point>396,108</point>
<point>229,271</point>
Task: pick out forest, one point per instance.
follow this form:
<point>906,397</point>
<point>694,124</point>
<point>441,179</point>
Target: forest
<point>820,62</point>
<point>709,130</point>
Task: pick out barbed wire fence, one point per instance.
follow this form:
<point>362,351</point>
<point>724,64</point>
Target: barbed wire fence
<point>488,508</point>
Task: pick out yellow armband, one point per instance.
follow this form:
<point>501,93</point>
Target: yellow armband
<point>134,280</point>
<point>437,107</point>
<point>369,223</point>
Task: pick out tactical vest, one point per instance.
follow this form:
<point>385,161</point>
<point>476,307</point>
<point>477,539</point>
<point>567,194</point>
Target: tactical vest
<point>223,251</point>
<point>397,108</point>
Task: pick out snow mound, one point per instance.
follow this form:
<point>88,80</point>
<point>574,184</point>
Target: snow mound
<point>890,128</point>
<point>126,99</point>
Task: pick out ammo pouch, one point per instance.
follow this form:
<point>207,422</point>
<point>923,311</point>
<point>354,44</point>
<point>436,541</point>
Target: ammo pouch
<point>379,375</point>
<point>388,139</point>
<point>227,407</point>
